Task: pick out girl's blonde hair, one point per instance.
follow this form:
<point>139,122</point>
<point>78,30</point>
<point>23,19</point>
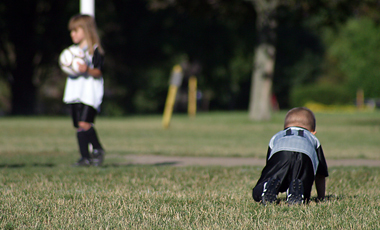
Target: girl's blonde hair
<point>87,23</point>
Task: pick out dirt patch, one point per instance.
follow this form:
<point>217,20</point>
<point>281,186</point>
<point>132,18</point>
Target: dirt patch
<point>229,161</point>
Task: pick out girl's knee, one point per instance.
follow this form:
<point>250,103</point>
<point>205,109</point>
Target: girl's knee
<point>84,125</point>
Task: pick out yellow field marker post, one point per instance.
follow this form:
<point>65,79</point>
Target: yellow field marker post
<point>175,82</point>
<point>192,97</point>
<point>360,99</point>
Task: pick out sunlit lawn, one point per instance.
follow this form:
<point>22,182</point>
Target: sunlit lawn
<point>209,134</point>
<point>40,190</point>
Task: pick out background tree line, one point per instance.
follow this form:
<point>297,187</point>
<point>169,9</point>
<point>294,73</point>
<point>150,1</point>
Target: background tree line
<point>325,51</point>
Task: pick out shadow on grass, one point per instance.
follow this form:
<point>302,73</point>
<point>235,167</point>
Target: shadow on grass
<point>27,165</point>
<point>168,163</point>
<point>328,198</point>
<point>331,198</point>
<point>12,165</point>
<point>111,165</point>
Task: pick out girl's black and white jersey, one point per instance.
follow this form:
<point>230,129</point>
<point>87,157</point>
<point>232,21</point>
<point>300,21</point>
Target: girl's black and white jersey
<point>85,88</point>
<point>296,139</point>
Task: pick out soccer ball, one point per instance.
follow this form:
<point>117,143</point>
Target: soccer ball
<point>69,59</point>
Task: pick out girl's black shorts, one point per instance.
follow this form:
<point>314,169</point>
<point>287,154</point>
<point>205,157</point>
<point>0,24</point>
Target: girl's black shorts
<point>82,112</point>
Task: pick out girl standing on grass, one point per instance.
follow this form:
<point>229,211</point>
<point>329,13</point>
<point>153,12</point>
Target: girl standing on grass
<point>84,93</point>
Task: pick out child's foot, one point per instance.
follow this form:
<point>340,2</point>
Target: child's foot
<point>97,157</point>
<point>270,191</point>
<point>295,192</point>
<point>83,162</point>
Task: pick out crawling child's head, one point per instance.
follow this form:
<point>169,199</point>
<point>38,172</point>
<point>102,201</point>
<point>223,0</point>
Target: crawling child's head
<point>300,117</point>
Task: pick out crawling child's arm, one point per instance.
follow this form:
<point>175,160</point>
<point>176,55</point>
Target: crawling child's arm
<point>320,184</point>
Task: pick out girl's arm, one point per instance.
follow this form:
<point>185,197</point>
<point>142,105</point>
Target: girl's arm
<point>97,61</point>
<point>95,72</point>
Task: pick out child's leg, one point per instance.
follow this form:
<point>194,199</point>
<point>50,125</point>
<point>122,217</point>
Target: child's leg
<point>302,169</point>
<point>257,191</point>
<point>83,118</point>
<point>85,123</point>
<point>277,168</point>
<point>83,144</point>
<point>93,137</point>
<point>76,110</point>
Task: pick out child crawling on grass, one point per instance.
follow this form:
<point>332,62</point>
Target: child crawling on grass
<point>294,161</point>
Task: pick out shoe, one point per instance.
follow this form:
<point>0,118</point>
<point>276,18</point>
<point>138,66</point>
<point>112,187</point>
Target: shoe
<point>270,191</point>
<point>97,157</point>
<point>295,192</point>
<point>83,162</point>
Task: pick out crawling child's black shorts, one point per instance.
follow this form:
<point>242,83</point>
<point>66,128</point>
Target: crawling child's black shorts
<point>286,166</point>
<point>82,112</point>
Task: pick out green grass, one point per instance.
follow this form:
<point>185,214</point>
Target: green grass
<point>176,198</point>
<point>39,189</point>
<point>209,134</point>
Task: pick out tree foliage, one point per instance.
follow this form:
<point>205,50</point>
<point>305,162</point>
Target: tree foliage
<point>144,43</point>
<point>353,48</point>
<point>144,39</point>
<point>30,41</point>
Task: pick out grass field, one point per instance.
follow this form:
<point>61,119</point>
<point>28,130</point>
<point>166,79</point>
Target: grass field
<point>40,190</point>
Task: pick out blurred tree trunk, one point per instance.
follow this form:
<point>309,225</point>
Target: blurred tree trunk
<point>264,60</point>
<point>21,18</point>
<point>32,33</point>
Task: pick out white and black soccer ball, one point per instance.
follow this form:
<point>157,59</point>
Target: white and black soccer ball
<point>69,59</point>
